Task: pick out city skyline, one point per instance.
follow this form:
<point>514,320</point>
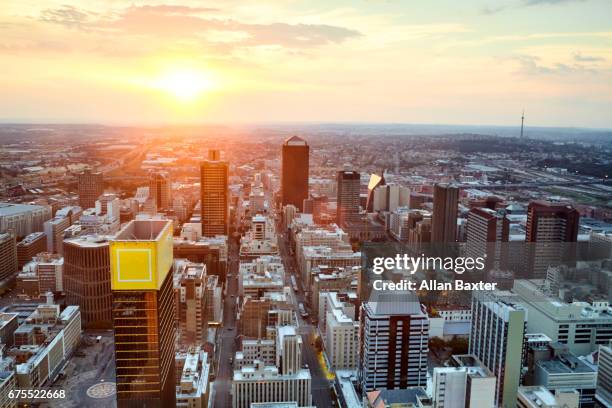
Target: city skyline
<point>477,63</point>
<point>306,204</point>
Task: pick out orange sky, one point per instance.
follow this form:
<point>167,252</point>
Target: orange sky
<point>468,62</point>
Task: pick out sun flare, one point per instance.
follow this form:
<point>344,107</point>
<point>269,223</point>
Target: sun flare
<point>184,85</point>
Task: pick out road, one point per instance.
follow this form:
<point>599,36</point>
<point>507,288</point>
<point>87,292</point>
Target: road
<point>321,393</point>
<point>227,339</point>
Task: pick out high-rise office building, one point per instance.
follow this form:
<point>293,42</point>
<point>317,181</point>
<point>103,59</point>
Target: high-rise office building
<point>393,342</point>
<point>91,185</point>
<point>143,314</point>
<point>8,259</point>
<point>349,184</point>
<point>190,302</point>
<point>288,350</point>
<point>87,279</point>
<point>487,231</point>
<point>160,190</point>
<point>603,392</point>
<point>444,217</point>
<point>376,180</point>
<point>294,172</point>
<point>552,230</point>
<point>54,230</point>
<point>496,339</point>
<point>214,196</point>
<point>214,154</point>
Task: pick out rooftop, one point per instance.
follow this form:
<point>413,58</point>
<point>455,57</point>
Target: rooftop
<point>143,230</point>
<point>394,303</point>
<point>295,141</point>
<point>12,209</point>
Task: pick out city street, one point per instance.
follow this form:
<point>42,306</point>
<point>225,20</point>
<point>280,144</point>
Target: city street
<point>227,338</point>
<point>321,394</point>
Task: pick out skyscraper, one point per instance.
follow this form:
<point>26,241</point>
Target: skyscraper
<point>8,259</point>
<point>603,393</point>
<point>393,342</point>
<point>551,228</point>
<point>214,195</point>
<point>143,314</point>
<point>376,180</point>
<point>348,196</point>
<point>87,279</point>
<point>294,172</point>
<point>496,338</point>
<point>444,217</point>
<point>160,190</point>
<point>190,302</point>
<point>91,185</point>
<point>487,231</point>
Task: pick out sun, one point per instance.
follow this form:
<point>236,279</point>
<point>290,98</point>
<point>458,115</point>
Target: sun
<point>184,85</point>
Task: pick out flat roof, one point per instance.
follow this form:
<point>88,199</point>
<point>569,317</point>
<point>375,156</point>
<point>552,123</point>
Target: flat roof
<point>12,208</point>
<point>142,230</point>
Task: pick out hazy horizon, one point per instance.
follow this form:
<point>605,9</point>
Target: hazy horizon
<point>444,62</point>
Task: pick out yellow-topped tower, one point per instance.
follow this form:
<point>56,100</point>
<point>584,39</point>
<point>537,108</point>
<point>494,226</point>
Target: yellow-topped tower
<point>143,314</point>
<point>141,255</point>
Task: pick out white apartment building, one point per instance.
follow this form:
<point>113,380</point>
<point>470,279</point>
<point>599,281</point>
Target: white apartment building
<point>496,339</point>
<point>340,331</point>
<point>288,349</point>
<point>261,383</point>
<point>192,389</point>
<point>341,340</point>
<point>463,387</point>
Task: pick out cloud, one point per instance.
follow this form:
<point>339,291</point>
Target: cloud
<point>531,65</point>
<point>548,2</point>
<point>587,58</point>
<point>167,8</point>
<point>525,3</point>
<point>67,16</point>
<point>194,24</point>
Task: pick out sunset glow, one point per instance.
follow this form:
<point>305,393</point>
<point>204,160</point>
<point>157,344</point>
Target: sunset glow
<point>184,85</point>
<point>469,62</point>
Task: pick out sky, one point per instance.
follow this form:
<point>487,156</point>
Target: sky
<point>477,62</point>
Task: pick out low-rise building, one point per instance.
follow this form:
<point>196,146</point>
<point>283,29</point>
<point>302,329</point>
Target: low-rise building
<point>541,397</point>
<point>264,274</point>
<point>30,246</point>
<point>193,386</point>
<point>261,383</point>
